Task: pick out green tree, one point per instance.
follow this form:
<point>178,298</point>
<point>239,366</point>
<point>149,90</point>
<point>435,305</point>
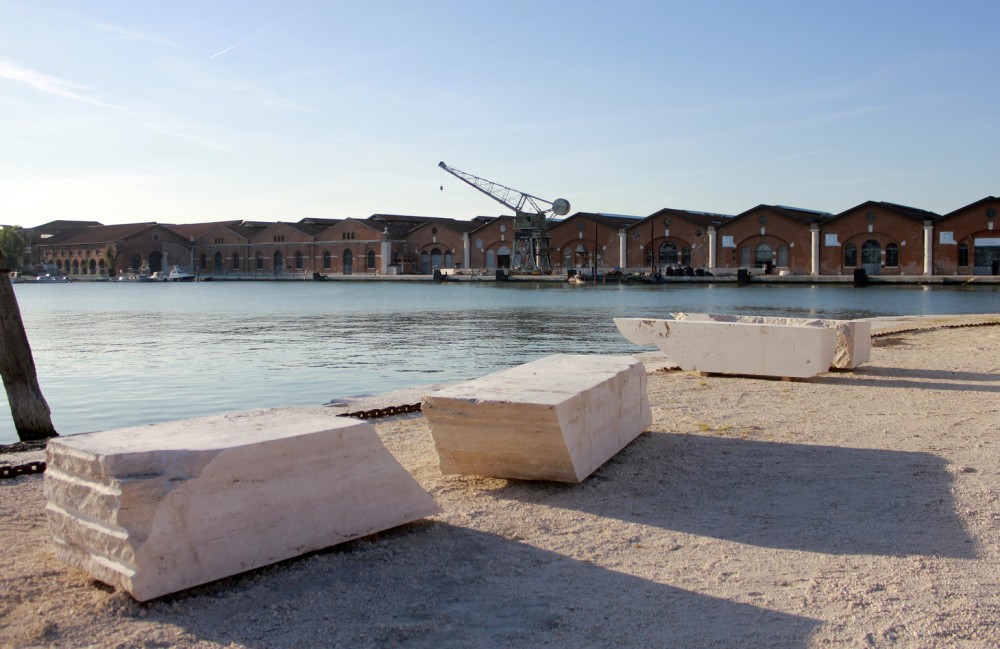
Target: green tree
<point>11,247</point>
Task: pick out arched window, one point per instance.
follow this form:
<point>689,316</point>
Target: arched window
<point>491,259</point>
<point>850,255</point>
<point>348,262</point>
<point>101,267</point>
<point>763,255</point>
<point>581,256</point>
<point>259,261</point>
<point>371,259</point>
<point>93,266</point>
<point>668,253</point>
<point>76,267</point>
<point>203,261</point>
<point>236,261</point>
<point>326,259</point>
<point>963,254</point>
<point>503,257</point>
<point>298,260</point>
<point>425,263</point>
<point>892,254</point>
<point>279,262</point>
<point>745,256</point>
<point>436,259</point>
<point>781,259</point>
<point>448,260</point>
<point>871,257</point>
<point>217,262</point>
<point>59,266</point>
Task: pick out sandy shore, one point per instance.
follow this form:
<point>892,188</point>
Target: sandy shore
<point>855,509</point>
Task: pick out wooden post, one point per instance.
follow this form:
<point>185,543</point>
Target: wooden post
<point>32,418</point>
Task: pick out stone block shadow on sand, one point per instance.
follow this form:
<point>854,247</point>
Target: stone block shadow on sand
<point>826,499</point>
<point>493,591</point>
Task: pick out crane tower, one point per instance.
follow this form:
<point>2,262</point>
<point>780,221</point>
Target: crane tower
<point>531,219</point>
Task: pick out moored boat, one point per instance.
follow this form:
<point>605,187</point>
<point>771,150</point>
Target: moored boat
<point>178,274</point>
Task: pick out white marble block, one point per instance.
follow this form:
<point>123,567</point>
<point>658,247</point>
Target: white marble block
<point>557,418</point>
<point>854,337</point>
<point>157,509</point>
<point>736,348</point>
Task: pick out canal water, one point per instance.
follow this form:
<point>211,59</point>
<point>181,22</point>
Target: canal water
<point>120,354</point>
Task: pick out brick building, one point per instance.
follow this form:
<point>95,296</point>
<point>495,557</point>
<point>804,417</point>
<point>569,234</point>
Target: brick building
<point>772,237</point>
<point>882,238</point>
<point>679,238</point>
<point>967,241</point>
<point>576,238</point>
<point>106,250</point>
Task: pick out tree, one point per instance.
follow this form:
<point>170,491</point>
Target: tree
<point>11,246</point>
<point>32,417</point>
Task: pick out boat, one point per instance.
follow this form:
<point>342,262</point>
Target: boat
<point>178,274</point>
<point>52,279</point>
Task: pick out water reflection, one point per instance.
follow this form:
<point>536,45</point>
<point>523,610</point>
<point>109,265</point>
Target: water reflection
<point>111,355</point>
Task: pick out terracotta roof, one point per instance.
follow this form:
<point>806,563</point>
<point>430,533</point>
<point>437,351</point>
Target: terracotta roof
<point>703,219</point>
<point>98,234</point>
<point>981,201</point>
<point>903,210</point>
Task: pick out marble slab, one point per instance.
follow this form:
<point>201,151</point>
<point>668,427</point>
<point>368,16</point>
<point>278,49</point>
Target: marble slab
<point>557,418</point>
<point>157,509</point>
<point>780,351</point>
<point>854,337</point>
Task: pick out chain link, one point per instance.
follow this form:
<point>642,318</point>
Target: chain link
<point>8,472</point>
<point>379,413</point>
<point>896,332</point>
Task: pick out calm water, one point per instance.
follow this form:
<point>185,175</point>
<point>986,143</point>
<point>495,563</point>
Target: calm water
<point>118,354</point>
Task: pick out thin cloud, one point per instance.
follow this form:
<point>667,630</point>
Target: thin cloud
<point>48,85</point>
<point>266,29</point>
<point>205,142</point>
<point>129,34</point>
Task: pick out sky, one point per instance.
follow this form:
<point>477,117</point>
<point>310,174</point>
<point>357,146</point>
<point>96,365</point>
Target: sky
<point>195,111</point>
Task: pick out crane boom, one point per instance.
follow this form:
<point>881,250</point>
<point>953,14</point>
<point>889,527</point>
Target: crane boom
<point>508,196</point>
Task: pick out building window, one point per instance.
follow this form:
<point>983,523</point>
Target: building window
<point>236,261</point>
<point>348,262</point>
<point>763,255</point>
<point>850,255</point>
<point>892,255</point>
<point>326,259</point>
<point>371,260</point>
<point>279,261</point>
<point>259,261</point>
<point>203,262</point>
<point>782,258</point>
<point>217,259</point>
<point>298,260</point>
<point>745,256</point>
<point>963,254</point>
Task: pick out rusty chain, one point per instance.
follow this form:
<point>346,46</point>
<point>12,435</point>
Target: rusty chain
<point>378,413</point>
<point>896,332</point>
<point>8,472</point>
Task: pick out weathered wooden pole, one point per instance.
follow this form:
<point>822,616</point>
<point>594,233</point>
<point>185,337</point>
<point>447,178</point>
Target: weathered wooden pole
<point>32,417</point>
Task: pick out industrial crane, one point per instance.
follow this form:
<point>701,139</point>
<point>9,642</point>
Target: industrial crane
<point>531,214</point>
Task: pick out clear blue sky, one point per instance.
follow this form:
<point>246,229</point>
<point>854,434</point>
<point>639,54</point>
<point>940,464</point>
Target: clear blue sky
<point>189,111</point>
